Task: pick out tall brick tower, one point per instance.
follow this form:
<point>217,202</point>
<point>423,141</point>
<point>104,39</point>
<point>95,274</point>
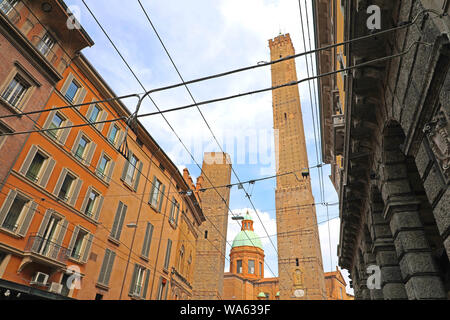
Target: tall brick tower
<point>300,266</point>
<point>211,242</point>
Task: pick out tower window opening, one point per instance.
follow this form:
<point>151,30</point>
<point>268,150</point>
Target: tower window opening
<point>296,262</point>
<point>206,234</point>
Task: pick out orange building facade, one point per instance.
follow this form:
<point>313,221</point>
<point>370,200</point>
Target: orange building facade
<point>78,218</point>
<point>335,284</point>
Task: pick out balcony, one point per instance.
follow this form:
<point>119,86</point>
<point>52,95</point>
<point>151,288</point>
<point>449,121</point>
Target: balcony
<point>46,250</point>
<point>338,134</point>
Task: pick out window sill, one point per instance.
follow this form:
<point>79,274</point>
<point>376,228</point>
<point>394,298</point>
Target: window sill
<point>114,241</point>
<point>166,271</point>
<point>11,108</point>
<point>10,233</point>
<point>102,286</point>
<point>126,184</point>
<point>135,297</point>
<point>75,260</point>
<point>172,224</point>
<point>146,259</point>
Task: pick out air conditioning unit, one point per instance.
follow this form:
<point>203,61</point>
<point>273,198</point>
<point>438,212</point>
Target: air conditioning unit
<point>39,278</point>
<point>56,287</point>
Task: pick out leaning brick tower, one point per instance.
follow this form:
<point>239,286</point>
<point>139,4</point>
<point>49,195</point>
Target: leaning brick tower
<point>300,266</point>
<point>211,241</point>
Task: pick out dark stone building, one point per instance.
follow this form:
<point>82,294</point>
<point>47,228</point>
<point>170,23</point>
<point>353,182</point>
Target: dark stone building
<point>390,151</point>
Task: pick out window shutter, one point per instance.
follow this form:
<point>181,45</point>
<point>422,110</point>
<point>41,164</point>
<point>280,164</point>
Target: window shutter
<point>152,190</point>
<point>178,213</point>
<point>76,142</point>
<point>116,220</point>
<point>133,279</point>
<point>169,248</point>
<point>27,220</point>
<point>41,230</point>
<point>47,173</point>
<point>66,84</point>
<point>62,232</point>
<point>60,181</point>
<point>81,96</point>
<point>88,113</point>
<point>103,117</point>
<point>7,205</point>
<point>49,119</point>
<point>87,248</point>
<point>112,256</point>
<point>99,208</point>
<point>76,192</point>
<point>110,171</point>
<point>147,278</point>
<point>138,175</point>
<point>92,147</point>
<point>86,199</point>
<point>122,218</point>
<point>120,138</point>
<point>103,270</point>
<point>147,240</point>
<point>161,197</point>
<point>65,132</point>
<point>167,289</point>
<point>125,167</point>
<point>73,239</point>
<point>26,164</point>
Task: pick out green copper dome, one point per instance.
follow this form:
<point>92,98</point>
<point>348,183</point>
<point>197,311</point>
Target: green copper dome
<point>261,295</point>
<point>247,238</point>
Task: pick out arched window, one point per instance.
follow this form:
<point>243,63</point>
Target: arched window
<point>180,259</point>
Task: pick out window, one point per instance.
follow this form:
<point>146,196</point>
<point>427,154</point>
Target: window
<point>65,187</point>
<point>251,266</point>
<point>174,212</point>
<point>113,134</point>
<point>98,296</point>
<point>239,266</point>
<point>139,282</point>
<point>147,240</point>
<point>2,256</point>
<point>95,112</point>
<point>7,5</point>
<point>65,288</point>
<point>168,250</point>
<point>81,148</point>
<point>162,292</point>
<point>260,269</point>
<point>35,167</point>
<point>47,237</point>
<point>157,194</point>
<point>57,122</point>
<point>91,202</point>
<point>78,246</point>
<point>15,91</point>
<point>102,166</point>
<point>340,291</point>
<point>72,91</point>
<point>46,44</point>
<point>116,229</point>
<point>106,268</point>
<point>131,169</point>
<point>12,218</point>
<point>181,259</point>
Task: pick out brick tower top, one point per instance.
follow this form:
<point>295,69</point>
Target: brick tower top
<point>281,40</point>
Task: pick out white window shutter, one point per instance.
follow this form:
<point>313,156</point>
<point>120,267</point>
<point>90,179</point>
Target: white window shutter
<point>103,116</point>
<point>86,199</point>
<point>47,173</point>
<point>76,192</point>
<point>50,116</point>
<point>99,208</point>
<point>65,132</point>
<point>110,171</point>
<point>30,156</point>
<point>68,81</point>
<point>87,248</point>
<point>90,154</point>
<point>28,218</point>
<point>60,181</point>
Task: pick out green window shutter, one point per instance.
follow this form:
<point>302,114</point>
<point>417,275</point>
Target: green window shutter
<point>90,153</point>
<point>103,270</point>
<point>28,218</point>
<point>161,197</point>
<point>99,207</point>
<point>110,171</point>
<point>66,84</point>
<point>168,250</point>
<point>116,220</point>
<point>152,190</point>
<point>76,192</point>
<point>138,175</point>
<point>65,132</point>
<point>86,199</point>
<point>87,248</point>
<point>133,279</point>
<point>7,205</point>
<point>122,218</point>
<point>147,240</point>
<point>26,164</point>
<point>60,181</point>
<point>47,173</point>
<point>147,278</point>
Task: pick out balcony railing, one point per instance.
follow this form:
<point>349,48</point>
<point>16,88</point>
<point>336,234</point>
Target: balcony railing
<point>45,248</point>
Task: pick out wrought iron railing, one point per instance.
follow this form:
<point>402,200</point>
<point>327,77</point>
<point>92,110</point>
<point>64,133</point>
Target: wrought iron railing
<point>46,248</point>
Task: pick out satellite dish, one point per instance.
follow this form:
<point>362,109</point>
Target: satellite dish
<point>299,293</point>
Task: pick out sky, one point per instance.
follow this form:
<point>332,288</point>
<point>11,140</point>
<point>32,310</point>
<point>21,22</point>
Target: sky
<point>206,37</point>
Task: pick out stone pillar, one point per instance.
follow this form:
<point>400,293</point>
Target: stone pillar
<point>392,286</point>
<point>418,267</point>
<point>369,259</point>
